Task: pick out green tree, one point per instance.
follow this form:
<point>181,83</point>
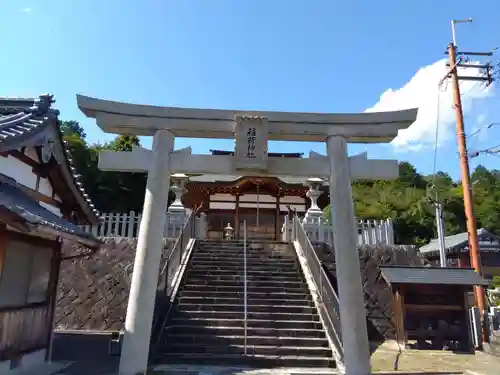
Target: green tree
<point>72,128</point>
<point>409,201</point>
<point>110,191</point>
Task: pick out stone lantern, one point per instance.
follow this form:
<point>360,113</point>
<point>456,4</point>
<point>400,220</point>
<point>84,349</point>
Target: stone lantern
<point>228,232</point>
<point>179,181</point>
<point>314,215</point>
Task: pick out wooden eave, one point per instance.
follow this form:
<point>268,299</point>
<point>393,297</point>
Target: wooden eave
<point>272,185</point>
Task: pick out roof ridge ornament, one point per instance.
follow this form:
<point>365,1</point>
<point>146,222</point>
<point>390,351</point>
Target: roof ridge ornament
<point>42,105</point>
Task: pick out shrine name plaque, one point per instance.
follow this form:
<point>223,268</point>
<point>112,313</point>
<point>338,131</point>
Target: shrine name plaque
<point>251,135</point>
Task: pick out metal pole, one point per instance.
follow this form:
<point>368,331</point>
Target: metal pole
<point>258,207</point>
<point>453,28</point>
<point>465,174</point>
<point>440,233</point>
<point>245,280</point>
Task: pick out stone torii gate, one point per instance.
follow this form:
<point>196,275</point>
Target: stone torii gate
<point>252,130</point>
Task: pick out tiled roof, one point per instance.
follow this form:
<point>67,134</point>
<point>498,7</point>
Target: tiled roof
<point>453,242</point>
<point>22,119</point>
<point>431,275</point>
<point>33,215</point>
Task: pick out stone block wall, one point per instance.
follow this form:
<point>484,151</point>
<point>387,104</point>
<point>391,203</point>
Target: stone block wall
<point>93,289</point>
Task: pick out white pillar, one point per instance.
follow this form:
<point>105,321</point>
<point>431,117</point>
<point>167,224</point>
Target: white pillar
<point>352,311</point>
<point>137,336</point>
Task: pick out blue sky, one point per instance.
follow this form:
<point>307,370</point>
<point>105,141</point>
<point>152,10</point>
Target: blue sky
<point>286,55</point>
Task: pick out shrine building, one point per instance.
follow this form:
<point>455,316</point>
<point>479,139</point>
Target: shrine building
<point>261,202</point>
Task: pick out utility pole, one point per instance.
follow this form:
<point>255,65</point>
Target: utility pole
<point>462,149</point>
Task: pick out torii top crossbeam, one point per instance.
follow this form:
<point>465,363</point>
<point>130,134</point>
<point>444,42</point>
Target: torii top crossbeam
<point>124,118</point>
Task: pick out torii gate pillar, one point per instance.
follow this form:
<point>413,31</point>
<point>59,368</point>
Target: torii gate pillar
<point>350,288</point>
<point>141,300</point>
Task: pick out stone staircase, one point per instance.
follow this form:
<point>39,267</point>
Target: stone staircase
<point>206,322</point>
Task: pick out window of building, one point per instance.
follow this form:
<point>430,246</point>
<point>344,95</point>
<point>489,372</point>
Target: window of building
<point>25,274</point>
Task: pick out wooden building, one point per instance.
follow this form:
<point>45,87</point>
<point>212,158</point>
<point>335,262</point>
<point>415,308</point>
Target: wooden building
<point>260,201</point>
<point>431,308</point>
<point>41,200</point>
<point>457,252</point>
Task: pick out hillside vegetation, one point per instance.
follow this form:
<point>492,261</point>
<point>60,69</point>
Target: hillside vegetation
<point>405,200</point>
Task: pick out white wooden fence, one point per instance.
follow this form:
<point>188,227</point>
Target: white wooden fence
<point>369,232</point>
<point>127,225</point>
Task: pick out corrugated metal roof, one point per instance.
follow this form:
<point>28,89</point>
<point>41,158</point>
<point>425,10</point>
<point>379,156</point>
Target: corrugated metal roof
<point>22,119</point>
<point>431,275</point>
<point>32,213</point>
<point>452,242</point>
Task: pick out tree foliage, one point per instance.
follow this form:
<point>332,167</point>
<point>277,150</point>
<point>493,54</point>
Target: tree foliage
<point>409,202</point>
<point>110,191</point>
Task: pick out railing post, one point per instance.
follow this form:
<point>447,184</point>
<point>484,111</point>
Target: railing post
<point>130,224</point>
<point>245,281</point>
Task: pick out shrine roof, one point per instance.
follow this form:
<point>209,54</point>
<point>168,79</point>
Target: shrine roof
<point>24,213</point>
<point>460,241</point>
<point>26,122</point>
<point>229,178</point>
<point>295,155</point>
<point>431,275</point>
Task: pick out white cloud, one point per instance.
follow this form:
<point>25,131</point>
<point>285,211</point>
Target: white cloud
<point>422,91</point>
<point>26,10</point>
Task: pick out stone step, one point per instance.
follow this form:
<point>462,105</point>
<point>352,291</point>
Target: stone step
<point>251,301</point>
<point>196,262</point>
<point>193,347</point>
<point>250,272</point>
<point>204,289</point>
<point>251,283</point>
<point>251,277</point>
<point>295,326</point>
<point>255,361</point>
<point>241,269</point>
<point>211,340</point>
<point>265,248</point>
<point>241,250</point>
<point>251,308</point>
<point>238,257</point>
<point>224,328</point>
<point>210,256</point>
<point>241,245</point>
<point>239,294</point>
<point>281,315</point>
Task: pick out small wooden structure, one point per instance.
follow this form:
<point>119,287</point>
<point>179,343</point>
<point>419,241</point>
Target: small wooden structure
<point>430,305</point>
<point>41,201</point>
